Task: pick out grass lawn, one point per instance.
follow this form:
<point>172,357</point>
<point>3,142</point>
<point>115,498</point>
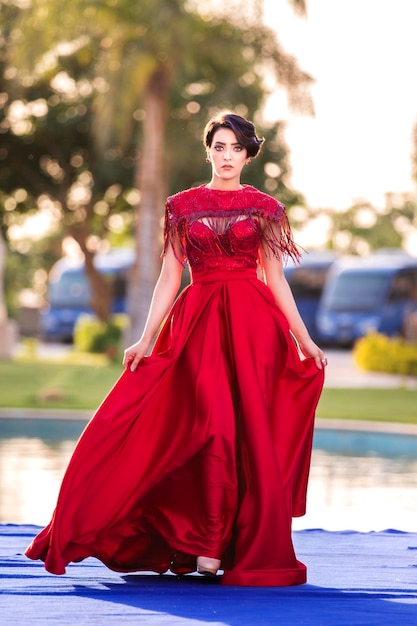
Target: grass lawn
<point>39,384</point>
<point>55,385</point>
<point>382,405</point>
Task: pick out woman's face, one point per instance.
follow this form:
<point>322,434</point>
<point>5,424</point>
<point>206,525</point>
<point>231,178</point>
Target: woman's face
<point>227,157</point>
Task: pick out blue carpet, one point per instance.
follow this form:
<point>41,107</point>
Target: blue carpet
<point>354,578</point>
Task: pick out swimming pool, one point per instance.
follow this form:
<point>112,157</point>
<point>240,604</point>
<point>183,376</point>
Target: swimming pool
<point>359,480</point>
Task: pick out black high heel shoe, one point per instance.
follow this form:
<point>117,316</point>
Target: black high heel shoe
<point>207,566</point>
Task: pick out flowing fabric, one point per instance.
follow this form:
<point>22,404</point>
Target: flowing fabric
<point>205,448</point>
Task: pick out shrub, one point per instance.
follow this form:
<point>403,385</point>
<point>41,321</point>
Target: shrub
<point>379,353</point>
<point>93,335</point>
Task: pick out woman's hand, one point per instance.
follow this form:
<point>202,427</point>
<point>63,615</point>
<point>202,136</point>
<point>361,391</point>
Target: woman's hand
<point>276,281</point>
<point>135,353</point>
<point>310,349</point>
<point>164,293</point>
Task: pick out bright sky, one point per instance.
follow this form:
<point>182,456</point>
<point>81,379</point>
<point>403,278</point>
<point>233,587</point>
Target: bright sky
<point>362,54</point>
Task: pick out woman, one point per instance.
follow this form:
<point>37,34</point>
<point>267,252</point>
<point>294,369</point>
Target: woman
<point>199,456</point>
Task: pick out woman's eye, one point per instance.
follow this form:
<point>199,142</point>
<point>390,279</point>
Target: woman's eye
<point>218,148</point>
<point>238,148</point>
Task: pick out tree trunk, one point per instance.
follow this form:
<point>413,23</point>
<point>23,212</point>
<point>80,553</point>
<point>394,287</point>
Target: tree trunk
<point>8,329</point>
<point>151,181</point>
<point>101,291</point>
<point>3,254</point>
<point>100,287</point>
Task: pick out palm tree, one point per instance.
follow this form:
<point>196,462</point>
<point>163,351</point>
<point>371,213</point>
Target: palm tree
<point>220,60</point>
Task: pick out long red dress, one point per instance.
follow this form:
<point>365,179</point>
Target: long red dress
<point>205,448</point>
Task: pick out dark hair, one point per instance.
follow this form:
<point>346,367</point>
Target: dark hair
<point>243,129</point>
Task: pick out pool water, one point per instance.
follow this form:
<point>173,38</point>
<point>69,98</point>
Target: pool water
<point>358,481</point>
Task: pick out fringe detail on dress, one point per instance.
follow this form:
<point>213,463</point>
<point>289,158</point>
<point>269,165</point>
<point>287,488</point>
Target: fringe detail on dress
<point>278,239</point>
<point>184,209</point>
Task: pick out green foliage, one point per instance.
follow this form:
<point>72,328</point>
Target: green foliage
<point>379,353</point>
<point>93,335</point>
<point>95,106</point>
<point>27,268</point>
<point>76,110</point>
<point>362,228</point>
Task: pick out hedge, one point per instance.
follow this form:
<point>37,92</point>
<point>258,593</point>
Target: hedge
<point>92,335</point>
<point>379,353</point>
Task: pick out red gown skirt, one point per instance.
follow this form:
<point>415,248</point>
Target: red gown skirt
<point>203,450</point>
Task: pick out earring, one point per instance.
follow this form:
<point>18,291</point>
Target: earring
<point>207,160</point>
<point>247,161</point>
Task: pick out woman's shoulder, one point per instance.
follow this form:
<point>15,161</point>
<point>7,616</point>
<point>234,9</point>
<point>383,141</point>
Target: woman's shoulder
<point>182,199</point>
<point>263,202</point>
<point>247,198</point>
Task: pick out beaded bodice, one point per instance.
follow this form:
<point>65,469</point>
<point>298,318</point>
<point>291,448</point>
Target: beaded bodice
<point>223,230</point>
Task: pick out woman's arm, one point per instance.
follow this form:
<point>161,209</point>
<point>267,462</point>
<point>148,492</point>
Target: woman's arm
<point>164,293</point>
<point>276,281</point>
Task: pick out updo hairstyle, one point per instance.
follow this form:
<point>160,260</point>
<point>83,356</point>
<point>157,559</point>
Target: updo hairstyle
<point>243,129</point>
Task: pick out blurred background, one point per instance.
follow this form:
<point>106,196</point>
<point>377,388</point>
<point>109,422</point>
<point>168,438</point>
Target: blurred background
<point>102,108</point>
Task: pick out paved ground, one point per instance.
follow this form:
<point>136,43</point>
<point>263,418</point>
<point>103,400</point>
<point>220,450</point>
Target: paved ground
<point>343,372</point>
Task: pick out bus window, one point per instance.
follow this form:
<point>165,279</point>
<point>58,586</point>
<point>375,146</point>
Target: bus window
<point>356,291</point>
<point>307,282</point>
<point>71,289</point>
<point>404,286</point>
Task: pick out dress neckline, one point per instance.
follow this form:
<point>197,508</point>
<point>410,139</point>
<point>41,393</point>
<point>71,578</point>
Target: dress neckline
<point>241,188</point>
